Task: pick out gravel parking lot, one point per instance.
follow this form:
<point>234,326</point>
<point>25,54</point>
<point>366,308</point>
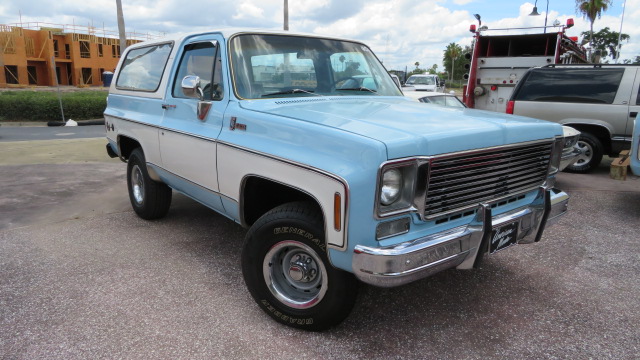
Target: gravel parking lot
<point>84,277</point>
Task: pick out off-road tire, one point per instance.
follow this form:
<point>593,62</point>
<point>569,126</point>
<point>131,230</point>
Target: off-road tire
<point>286,268</point>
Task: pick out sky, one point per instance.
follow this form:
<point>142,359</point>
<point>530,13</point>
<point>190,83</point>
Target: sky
<point>400,32</point>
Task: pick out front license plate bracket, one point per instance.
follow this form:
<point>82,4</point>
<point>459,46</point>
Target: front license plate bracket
<point>503,236</point>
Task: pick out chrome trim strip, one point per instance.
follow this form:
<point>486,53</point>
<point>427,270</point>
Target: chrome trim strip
<point>166,129</point>
<point>622,138</point>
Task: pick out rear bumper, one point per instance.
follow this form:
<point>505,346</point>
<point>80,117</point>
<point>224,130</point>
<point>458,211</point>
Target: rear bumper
<point>462,247</point>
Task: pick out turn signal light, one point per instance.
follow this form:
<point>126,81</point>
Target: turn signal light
<point>337,212</point>
<point>472,28</point>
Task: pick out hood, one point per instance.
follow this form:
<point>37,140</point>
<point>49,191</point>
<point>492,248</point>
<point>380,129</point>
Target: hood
<point>420,87</point>
<point>410,128</point>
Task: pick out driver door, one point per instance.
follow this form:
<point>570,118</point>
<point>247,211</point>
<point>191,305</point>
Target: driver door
<point>191,126</point>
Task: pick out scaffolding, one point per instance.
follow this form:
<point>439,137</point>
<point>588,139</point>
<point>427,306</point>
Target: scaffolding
<point>43,54</point>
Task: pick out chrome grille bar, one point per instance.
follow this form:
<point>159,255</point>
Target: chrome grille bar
<point>460,181</point>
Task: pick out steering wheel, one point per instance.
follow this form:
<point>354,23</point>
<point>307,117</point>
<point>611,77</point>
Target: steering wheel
<point>343,79</point>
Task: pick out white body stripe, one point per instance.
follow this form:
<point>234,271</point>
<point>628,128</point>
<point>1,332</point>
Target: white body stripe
<point>235,164</point>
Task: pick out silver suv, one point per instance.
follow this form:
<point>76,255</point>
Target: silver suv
<point>599,100</point>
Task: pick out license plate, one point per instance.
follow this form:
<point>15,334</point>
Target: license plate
<point>504,236</point>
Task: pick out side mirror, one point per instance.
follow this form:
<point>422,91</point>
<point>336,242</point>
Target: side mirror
<point>191,87</point>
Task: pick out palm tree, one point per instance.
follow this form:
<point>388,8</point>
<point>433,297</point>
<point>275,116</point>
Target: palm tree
<point>590,10</point>
<point>452,51</point>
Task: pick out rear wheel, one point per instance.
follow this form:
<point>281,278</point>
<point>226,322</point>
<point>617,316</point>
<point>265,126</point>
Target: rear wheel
<point>285,267</point>
<point>149,199</point>
<point>592,151</point>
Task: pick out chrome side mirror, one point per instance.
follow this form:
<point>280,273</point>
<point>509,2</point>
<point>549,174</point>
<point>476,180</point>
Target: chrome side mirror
<point>191,87</point>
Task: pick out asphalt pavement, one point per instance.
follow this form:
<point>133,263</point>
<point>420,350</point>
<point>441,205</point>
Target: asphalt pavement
<point>28,132</point>
<point>83,277</point>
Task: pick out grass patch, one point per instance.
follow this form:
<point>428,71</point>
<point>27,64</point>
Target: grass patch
<point>44,105</point>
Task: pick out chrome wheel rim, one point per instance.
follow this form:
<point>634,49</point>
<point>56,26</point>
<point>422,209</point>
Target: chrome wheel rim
<point>587,153</point>
<point>294,274</point>
<point>137,185</point>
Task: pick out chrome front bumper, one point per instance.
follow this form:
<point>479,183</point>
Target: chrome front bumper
<point>462,247</point>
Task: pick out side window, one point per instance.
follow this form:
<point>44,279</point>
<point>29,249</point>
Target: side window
<point>143,67</point>
<point>638,97</point>
<point>199,59</point>
<point>597,86</point>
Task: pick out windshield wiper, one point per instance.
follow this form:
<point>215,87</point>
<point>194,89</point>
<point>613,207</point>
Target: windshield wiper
<point>291,91</point>
<point>361,88</point>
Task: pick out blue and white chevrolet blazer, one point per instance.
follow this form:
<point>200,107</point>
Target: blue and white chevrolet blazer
<point>308,143</point>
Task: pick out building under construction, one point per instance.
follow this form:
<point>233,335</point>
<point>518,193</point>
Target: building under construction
<point>38,54</point>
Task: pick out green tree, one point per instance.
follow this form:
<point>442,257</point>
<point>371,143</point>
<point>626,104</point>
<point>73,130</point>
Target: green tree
<point>606,41</point>
<point>451,53</point>
<point>433,70</point>
<point>590,10</point>
<point>454,65</point>
<point>417,64</point>
<point>417,71</point>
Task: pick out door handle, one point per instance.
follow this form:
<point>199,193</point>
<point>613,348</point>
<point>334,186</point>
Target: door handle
<point>168,106</point>
<point>633,114</point>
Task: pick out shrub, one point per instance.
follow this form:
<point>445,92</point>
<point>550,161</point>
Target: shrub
<point>44,105</point>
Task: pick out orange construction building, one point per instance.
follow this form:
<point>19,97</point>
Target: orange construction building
<point>33,54</point>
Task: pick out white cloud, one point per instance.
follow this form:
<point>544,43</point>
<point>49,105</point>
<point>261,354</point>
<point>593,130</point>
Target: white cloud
<point>400,32</point>
<point>248,10</point>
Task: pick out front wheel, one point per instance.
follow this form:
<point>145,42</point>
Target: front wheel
<point>285,267</point>
<point>592,151</point>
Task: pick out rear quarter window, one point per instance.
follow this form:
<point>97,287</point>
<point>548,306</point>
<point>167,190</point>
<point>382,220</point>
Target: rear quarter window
<point>143,67</point>
<point>598,86</point>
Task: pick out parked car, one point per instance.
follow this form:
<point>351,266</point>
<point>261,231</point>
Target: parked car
<point>599,100</point>
<point>436,98</point>
<point>334,184</point>
<point>425,83</point>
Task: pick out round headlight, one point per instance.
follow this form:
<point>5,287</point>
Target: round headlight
<point>391,186</point>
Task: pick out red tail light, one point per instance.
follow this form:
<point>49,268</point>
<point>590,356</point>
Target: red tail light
<point>472,28</point>
<point>510,106</point>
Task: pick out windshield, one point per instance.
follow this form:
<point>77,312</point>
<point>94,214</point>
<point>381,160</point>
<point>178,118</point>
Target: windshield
<point>272,66</point>
<point>421,80</point>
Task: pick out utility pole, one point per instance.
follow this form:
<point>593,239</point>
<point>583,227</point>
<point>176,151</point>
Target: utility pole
<point>123,36</point>
<point>287,71</point>
<point>619,46</point>
<point>286,15</point>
